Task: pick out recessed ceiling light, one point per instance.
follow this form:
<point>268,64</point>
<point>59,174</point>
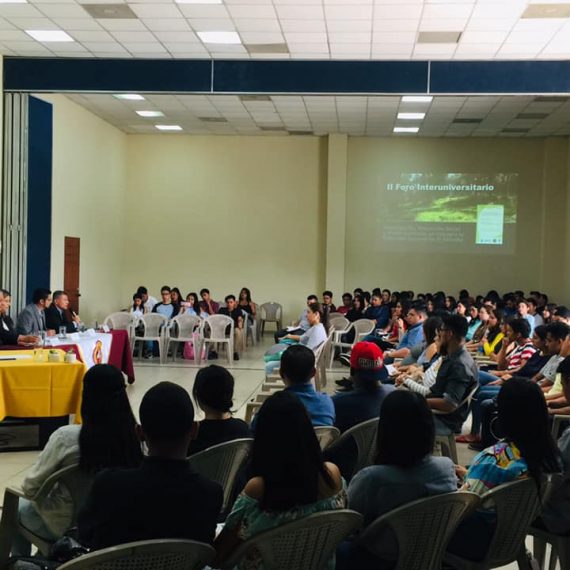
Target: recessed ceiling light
<point>219,37</point>
<point>409,116</point>
<point>406,129</point>
<point>168,127</point>
<point>150,113</point>
<point>13,1</point>
<point>417,99</point>
<point>50,35</point>
<point>544,10</point>
<point>198,1</point>
<point>129,97</point>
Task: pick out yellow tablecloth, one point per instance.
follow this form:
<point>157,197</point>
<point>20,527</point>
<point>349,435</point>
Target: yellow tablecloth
<point>39,389</point>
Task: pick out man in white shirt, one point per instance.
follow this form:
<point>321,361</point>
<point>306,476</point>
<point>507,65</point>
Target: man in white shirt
<point>148,301</point>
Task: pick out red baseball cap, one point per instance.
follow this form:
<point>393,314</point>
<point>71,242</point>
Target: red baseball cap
<point>368,359</point>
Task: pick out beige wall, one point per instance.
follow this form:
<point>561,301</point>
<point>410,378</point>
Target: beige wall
<point>226,212</point>
<point>89,185</point>
<point>542,223</point>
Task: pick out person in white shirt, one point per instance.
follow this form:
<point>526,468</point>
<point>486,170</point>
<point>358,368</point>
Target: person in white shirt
<point>533,311</point>
<point>138,309</point>
<point>148,301</point>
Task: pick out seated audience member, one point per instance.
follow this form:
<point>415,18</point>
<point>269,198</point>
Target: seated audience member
<point>366,297</point>
<point>491,344</point>
<point>555,398</point>
<point>176,297</point>
<point>137,308</point>
<point>527,450</point>
<point>148,300</point>
<point>456,378</point>
<point>480,331</point>
<point>57,314</point>
<point>213,391</point>
<point>192,307</point>
<point>8,334</point>
<point>462,309</point>
<point>561,313</point>
<point>524,313</point>
<point>450,304</point>
<point>405,470</point>
<point>556,514</point>
<point>297,371</point>
<point>327,302</point>
<point>31,319</point>
<point>386,296</point>
<point>363,402</point>
<point>164,497</point>
<point>346,304</point>
<point>166,307</point>
<point>514,354</point>
<point>302,325</point>
<point>208,305</point>
<point>289,480</point>
<point>245,303</point>
<point>510,305</point>
<point>379,313</point>
<point>356,311</point>
<point>397,325</point>
<point>474,322</point>
<point>106,439</point>
<point>234,312</point>
<point>556,334</point>
<point>414,335</point>
<point>533,311</point>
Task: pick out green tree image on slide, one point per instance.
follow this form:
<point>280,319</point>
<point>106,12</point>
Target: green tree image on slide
<point>425,198</point>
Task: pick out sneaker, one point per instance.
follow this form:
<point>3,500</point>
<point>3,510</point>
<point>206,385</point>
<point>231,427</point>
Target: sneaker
<point>236,356</point>
<point>344,359</point>
<point>213,355</point>
<point>343,382</point>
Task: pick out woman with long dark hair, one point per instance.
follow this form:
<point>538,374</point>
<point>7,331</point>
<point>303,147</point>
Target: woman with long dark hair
<point>106,439</point>
<point>289,480</point>
<point>527,450</point>
<point>245,303</point>
<point>404,470</point>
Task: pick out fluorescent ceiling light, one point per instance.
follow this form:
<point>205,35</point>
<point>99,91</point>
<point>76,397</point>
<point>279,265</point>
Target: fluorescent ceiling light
<point>409,116</point>
<point>50,35</point>
<point>150,113</point>
<point>168,127</point>
<point>129,97</point>
<point>406,129</point>
<point>417,99</point>
<point>219,37</point>
<point>13,1</point>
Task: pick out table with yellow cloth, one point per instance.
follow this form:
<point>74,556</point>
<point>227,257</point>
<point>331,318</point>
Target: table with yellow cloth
<point>32,388</point>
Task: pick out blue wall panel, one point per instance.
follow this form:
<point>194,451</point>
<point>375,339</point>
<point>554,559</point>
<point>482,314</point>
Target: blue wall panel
<point>38,243</point>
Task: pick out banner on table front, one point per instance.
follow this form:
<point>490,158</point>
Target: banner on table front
<point>93,347</point>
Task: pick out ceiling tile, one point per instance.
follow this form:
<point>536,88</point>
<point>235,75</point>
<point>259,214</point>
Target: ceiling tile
<point>123,25</point>
<point>134,37</point>
<point>393,37</point>
<point>261,38</point>
<point>92,36</point>
<point>19,11</point>
<point>436,25</point>
<point>482,37</point>
<point>64,11</point>
<point>294,12</point>
<point>144,47</point>
<point>162,11</point>
<point>356,12</point>
<point>177,37</point>
<point>252,11</point>
<point>203,11</point>
<point>166,25</point>
<point>349,37</point>
<point>261,25</point>
<point>70,24</point>
<point>491,24</point>
<point>212,25</point>
<point>397,11</point>
<point>348,25</point>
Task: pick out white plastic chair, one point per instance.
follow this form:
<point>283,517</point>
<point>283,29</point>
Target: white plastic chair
<point>215,331</point>
<point>120,321</point>
<point>305,544</point>
<point>321,357</point>
<point>181,329</point>
<point>270,313</point>
<point>326,435</point>
<point>362,328</point>
<point>221,463</point>
<point>250,326</point>
<point>168,554</point>
<point>341,327</point>
<point>78,484</point>
<point>153,325</point>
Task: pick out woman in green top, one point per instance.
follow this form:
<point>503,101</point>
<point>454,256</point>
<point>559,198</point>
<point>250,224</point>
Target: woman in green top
<point>290,479</point>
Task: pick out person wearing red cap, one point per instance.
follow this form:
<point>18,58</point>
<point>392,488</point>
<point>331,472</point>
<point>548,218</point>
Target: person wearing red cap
<point>363,402</point>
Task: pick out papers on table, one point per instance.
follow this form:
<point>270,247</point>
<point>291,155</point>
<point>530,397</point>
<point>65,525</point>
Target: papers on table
<point>16,357</point>
<point>391,370</point>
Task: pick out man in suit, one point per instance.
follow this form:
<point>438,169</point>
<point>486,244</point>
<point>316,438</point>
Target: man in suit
<point>32,318</point>
<point>164,497</point>
<point>8,334</point>
<point>57,314</point>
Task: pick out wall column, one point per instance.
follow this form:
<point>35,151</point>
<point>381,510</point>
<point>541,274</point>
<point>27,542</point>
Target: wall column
<point>336,214</point>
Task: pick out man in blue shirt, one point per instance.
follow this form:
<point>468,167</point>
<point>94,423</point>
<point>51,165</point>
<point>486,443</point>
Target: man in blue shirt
<point>302,325</point>
<point>378,312</point>
<point>415,318</point>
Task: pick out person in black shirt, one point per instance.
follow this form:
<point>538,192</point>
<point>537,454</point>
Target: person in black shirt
<point>57,314</point>
<point>213,391</point>
<point>164,497</point>
<point>232,310</point>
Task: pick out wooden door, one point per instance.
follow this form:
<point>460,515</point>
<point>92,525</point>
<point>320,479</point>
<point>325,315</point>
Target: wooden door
<point>71,272</point>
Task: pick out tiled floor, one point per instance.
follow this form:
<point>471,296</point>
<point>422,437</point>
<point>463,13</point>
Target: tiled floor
<point>248,374</point>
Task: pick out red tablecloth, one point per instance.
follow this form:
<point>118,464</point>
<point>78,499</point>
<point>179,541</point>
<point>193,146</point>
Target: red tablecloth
<point>120,354</point>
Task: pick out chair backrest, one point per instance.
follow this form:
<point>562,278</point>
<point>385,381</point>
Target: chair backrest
<point>221,463</point>
<point>322,354</point>
<point>516,505</point>
<point>152,324</point>
<point>422,529</point>
<point>340,323</point>
<point>364,435</point>
<point>147,555</point>
<point>363,327</point>
<point>76,481</point>
<point>184,325</point>
<point>326,435</point>
<point>218,325</point>
<point>119,321</point>
<point>271,311</point>
<point>305,544</point>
